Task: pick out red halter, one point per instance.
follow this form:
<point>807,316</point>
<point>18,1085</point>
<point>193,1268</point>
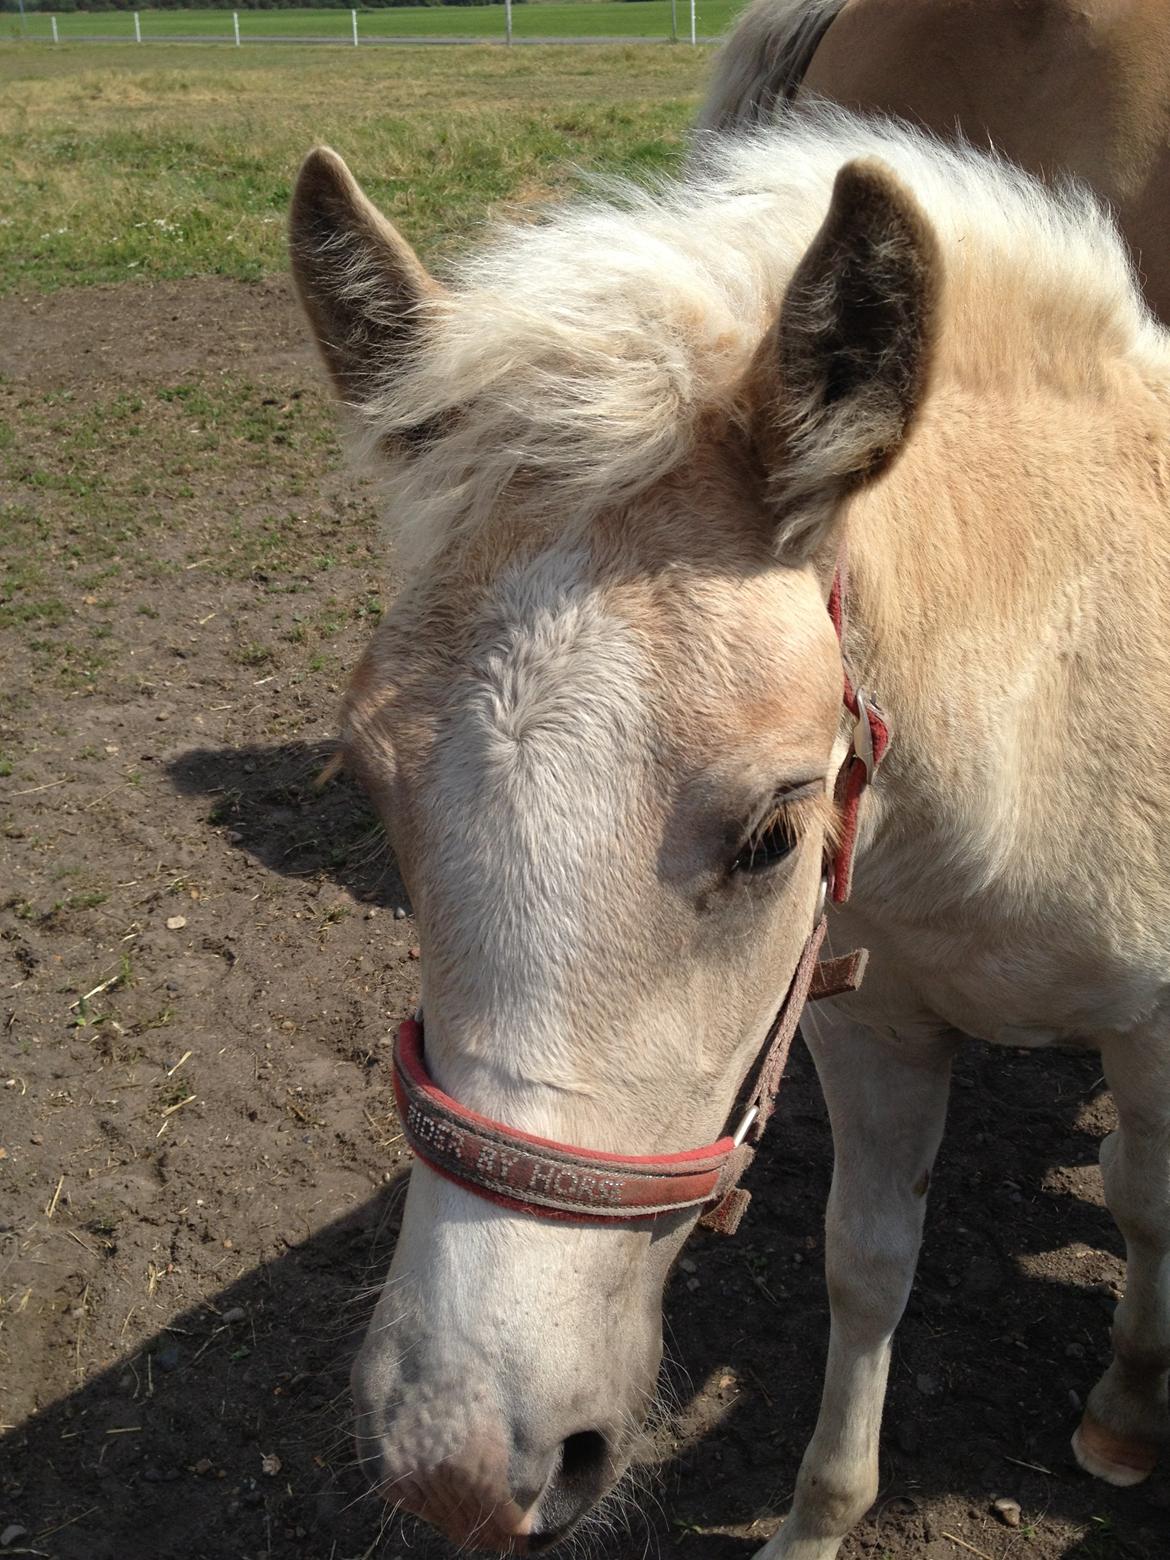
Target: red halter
<point>553,1180</point>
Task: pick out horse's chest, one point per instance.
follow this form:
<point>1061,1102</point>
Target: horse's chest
<point>999,977</point>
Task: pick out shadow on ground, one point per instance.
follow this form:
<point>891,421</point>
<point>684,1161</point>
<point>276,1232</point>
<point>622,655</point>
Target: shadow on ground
<point>138,1465</point>
<point>273,803</point>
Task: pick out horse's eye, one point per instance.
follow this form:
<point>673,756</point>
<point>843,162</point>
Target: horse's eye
<point>767,846</point>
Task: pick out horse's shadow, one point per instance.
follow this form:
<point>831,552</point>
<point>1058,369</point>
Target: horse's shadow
<point>284,806</point>
<point>1009,1317</point>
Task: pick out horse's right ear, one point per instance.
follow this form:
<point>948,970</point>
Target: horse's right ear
<point>838,381</point>
<point>360,282</point>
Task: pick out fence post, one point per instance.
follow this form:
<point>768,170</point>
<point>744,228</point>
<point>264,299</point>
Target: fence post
<point>236,26</point>
<point>353,14</point>
<point>137,28</point>
<point>508,22</point>
<point>53,25</point>
<point>674,21</point>
<point>694,33</point>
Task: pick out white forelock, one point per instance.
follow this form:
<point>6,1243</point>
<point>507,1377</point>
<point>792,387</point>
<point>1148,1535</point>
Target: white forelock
<point>571,361</point>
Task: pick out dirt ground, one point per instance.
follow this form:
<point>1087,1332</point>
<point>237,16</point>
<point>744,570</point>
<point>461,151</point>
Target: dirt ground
<point>200,1169</point>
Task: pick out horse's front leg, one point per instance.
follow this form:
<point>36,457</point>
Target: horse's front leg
<point>887,1103</point>
<point>1126,1421</point>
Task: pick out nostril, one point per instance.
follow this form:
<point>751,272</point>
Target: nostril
<point>583,1459</point>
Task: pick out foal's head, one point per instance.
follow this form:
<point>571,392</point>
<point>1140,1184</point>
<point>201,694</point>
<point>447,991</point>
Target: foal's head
<point>601,725</point>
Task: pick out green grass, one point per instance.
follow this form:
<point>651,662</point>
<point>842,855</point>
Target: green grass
<point>119,162</point>
<point>550,19</point>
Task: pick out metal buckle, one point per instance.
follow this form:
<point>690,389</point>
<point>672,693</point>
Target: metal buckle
<point>745,1125</point>
<point>863,734</point>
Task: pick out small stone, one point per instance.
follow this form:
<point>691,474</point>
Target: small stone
<point>371,913</point>
<point>236,1314</point>
<point>176,923</point>
<point>1074,1401</point>
<point>233,836</point>
<point>11,1533</point>
<point>688,1266</point>
<point>692,1284</point>
<point>270,1464</point>
<point>926,1384</point>
<point>1075,1351</point>
<point>415,953</point>
<point>1008,1511</point>
<point>36,1138</point>
<point>202,1466</point>
<point>399,913</point>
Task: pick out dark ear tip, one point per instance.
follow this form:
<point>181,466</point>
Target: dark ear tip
<point>323,178</point>
<point>868,193</point>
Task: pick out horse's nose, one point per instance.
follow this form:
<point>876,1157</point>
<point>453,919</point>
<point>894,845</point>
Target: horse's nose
<point>560,1485</point>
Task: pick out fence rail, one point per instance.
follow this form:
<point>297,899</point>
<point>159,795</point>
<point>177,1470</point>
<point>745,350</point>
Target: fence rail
<point>577,21</point>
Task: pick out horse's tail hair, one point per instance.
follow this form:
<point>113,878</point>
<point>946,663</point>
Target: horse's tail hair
<point>763,60</point>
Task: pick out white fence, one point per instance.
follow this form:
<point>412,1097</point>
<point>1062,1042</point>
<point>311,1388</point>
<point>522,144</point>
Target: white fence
<point>239,36</point>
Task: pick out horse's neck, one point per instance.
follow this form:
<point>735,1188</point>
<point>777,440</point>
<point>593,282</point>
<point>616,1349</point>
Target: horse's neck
<point>1010,600</point>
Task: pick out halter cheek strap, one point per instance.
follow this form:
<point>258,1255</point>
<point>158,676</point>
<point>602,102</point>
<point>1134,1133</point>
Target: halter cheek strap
<point>539,1176</point>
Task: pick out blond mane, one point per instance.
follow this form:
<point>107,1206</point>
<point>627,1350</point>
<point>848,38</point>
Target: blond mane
<point>571,363</point>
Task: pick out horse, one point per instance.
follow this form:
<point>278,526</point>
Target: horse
<point>1076,87</point>
<point>631,455</point>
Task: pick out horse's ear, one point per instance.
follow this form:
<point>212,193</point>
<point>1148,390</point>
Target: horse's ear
<point>837,382</point>
<point>359,281</point>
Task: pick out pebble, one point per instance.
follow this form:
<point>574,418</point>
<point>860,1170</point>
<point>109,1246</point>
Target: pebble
<point>1008,1511</point>
<point>167,1358</point>
<point>11,1533</point>
<point>688,1266</point>
<point>371,913</point>
<point>176,923</point>
<point>236,1314</point>
<point>36,1138</point>
<point>414,953</point>
<point>399,913</point>
<point>1075,1351</point>
<point>233,836</point>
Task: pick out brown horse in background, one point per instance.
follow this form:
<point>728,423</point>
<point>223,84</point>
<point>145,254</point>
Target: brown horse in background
<point>1076,87</point>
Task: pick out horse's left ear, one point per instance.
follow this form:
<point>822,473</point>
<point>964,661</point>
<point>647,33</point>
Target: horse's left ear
<point>838,380</point>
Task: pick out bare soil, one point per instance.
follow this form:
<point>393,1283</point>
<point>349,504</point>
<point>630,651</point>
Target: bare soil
<point>202,967</point>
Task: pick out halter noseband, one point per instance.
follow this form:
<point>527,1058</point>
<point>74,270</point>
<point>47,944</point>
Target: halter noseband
<point>538,1176</point>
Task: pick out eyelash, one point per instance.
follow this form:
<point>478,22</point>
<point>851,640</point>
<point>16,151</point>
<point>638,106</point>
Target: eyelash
<point>778,835</point>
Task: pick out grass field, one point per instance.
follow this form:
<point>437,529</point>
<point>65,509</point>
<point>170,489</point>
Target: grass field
<point>121,162</point>
<point>547,19</point>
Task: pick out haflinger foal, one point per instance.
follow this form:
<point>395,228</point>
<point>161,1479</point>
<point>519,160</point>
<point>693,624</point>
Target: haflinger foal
<point>628,450</point>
